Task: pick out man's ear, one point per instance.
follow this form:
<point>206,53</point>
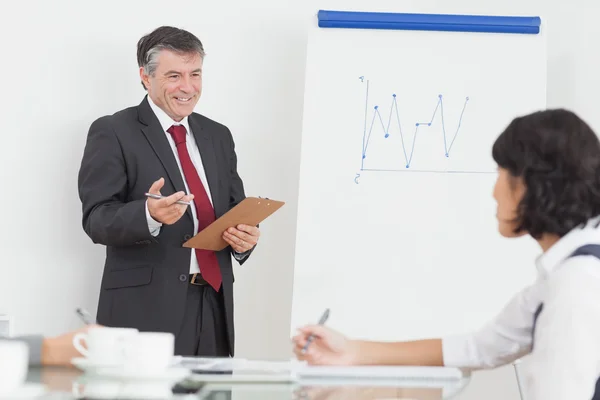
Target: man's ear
<point>145,79</point>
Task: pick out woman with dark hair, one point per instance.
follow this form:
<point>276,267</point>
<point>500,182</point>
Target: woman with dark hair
<point>548,187</point>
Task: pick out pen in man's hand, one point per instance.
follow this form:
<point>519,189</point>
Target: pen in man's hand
<point>311,337</point>
<point>158,197</point>
<point>85,316</point>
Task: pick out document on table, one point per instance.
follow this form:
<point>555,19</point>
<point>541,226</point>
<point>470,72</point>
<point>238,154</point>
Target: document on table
<point>243,370</point>
<point>380,372</point>
<point>449,380</point>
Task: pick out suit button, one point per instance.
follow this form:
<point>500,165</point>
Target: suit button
<point>187,237</point>
<point>183,278</point>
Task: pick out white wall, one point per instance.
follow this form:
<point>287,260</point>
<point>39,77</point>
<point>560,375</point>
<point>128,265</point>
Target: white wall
<point>66,62</point>
<point>70,62</point>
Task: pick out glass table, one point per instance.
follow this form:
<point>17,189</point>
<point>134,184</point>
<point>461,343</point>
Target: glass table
<point>70,383</point>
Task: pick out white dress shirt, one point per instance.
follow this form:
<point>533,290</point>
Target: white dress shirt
<point>565,360</point>
<point>166,122</point>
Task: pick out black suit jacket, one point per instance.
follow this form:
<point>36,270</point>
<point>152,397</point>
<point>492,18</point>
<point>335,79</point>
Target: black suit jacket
<point>145,278</point>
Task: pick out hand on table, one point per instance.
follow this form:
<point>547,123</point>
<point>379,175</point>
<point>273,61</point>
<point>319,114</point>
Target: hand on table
<point>59,350</point>
<point>327,348</point>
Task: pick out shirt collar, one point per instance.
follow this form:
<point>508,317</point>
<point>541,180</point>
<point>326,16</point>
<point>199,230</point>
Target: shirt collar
<point>165,120</point>
<point>549,261</point>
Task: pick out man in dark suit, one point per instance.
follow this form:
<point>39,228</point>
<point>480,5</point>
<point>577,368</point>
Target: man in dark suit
<point>150,281</point>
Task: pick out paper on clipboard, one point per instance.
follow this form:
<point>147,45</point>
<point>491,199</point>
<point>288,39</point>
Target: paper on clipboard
<point>250,211</point>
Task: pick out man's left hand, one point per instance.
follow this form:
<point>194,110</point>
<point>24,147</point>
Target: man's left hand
<point>242,238</point>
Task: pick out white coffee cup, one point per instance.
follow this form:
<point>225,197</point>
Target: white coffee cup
<point>14,362</point>
<point>149,352</point>
<point>105,345</point>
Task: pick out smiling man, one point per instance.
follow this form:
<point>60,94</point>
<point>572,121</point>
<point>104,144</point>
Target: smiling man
<point>162,146</point>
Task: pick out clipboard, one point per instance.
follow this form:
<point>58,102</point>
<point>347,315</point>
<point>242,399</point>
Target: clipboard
<point>250,211</point>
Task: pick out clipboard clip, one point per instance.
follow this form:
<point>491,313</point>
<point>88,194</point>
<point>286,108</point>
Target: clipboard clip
<point>266,198</point>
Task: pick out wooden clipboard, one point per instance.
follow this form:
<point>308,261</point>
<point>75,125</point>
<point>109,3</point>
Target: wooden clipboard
<point>250,211</point>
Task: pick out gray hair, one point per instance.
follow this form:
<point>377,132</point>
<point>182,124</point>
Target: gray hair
<point>165,38</point>
<point>152,57</point>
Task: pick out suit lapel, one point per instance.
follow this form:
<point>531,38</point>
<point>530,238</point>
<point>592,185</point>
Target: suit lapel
<point>159,143</point>
<point>205,144</point>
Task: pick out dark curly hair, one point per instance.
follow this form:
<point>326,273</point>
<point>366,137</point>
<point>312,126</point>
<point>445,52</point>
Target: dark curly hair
<point>557,155</point>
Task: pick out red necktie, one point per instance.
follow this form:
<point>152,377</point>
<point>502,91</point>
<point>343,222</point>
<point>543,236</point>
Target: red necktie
<point>207,259</point>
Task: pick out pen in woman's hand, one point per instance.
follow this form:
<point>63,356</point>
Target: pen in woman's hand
<point>311,337</point>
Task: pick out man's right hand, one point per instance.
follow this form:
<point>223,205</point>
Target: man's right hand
<point>166,210</point>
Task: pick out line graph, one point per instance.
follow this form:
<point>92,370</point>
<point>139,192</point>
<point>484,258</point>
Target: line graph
<point>411,132</point>
<point>377,119</point>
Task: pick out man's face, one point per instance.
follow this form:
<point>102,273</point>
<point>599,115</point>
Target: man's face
<point>176,84</point>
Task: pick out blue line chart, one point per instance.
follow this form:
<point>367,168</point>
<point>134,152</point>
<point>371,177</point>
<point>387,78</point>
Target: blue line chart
<point>378,121</point>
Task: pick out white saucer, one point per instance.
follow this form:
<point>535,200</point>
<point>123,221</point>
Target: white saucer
<point>26,391</point>
<point>172,374</point>
<point>86,365</point>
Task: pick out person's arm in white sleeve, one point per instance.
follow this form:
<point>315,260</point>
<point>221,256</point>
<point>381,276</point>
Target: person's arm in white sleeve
<point>502,340</point>
<point>565,360</point>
